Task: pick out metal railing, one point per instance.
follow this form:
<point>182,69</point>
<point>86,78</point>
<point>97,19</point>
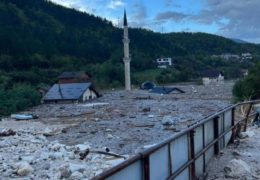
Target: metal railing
<point>186,154</point>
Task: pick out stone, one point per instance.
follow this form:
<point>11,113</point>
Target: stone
<point>24,168</point>
<point>82,147</point>
<point>56,147</point>
<point>236,153</point>
<point>65,171</point>
<point>243,135</point>
<point>169,120</point>
<point>109,130</point>
<point>46,166</point>
<point>237,168</point>
<point>110,136</point>
<point>76,175</point>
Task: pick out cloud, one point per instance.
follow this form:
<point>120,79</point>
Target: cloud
<point>168,3</point>
<point>76,4</point>
<point>114,4</point>
<point>171,15</point>
<point>139,16</point>
<point>235,18</point>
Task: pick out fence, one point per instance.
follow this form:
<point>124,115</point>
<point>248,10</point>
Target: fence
<point>185,155</point>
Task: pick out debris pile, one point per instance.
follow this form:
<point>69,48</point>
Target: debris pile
<point>33,156</point>
<point>240,160</point>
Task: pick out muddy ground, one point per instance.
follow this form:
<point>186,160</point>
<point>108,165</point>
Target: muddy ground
<point>124,122</point>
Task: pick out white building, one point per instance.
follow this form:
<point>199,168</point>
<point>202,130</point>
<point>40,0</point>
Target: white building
<point>164,62</point>
<point>246,56</point>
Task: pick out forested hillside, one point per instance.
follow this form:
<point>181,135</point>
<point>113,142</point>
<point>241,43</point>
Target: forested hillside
<point>39,40</point>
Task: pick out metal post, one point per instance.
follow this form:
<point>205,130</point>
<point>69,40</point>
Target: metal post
<point>216,133</point>
<point>192,156</point>
<point>204,157</point>
<point>170,158</point>
<point>146,168</point>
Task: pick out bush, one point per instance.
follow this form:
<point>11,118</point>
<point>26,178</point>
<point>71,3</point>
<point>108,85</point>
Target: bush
<point>20,97</point>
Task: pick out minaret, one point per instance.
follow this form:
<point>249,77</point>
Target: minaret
<point>126,56</point>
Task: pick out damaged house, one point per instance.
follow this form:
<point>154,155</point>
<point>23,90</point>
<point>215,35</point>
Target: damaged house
<point>212,76</point>
<point>70,92</point>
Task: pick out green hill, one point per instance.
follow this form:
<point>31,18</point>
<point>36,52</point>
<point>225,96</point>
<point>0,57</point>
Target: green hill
<point>39,40</point>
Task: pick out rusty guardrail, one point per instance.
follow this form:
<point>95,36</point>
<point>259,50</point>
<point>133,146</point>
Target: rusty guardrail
<point>186,154</point>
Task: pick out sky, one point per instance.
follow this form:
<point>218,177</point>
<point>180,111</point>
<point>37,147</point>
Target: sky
<point>237,19</point>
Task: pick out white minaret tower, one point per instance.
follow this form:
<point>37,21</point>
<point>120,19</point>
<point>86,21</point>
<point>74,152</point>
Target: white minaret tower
<point>126,56</point>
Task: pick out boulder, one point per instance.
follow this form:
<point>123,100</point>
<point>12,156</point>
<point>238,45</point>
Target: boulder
<point>169,120</point>
<point>65,171</point>
<point>24,168</point>
<point>76,175</point>
<point>237,168</point>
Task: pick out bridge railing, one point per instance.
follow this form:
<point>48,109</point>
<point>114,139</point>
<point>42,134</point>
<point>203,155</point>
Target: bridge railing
<point>185,155</point>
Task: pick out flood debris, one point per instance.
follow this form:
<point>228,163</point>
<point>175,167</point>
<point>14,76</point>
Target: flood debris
<point>141,125</point>
<point>8,132</point>
<point>84,154</point>
<point>20,117</point>
<point>237,168</point>
<point>148,109</point>
<point>121,125</point>
<point>239,161</point>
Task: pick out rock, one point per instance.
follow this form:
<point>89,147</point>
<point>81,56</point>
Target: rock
<point>46,166</point>
<point>109,130</point>
<point>55,147</point>
<point>24,168</point>
<point>65,171</point>
<point>243,135</point>
<point>82,147</point>
<point>169,120</point>
<point>237,168</point>
<point>146,109</point>
<point>236,153</point>
<point>64,130</point>
<point>76,176</point>
<point>110,136</point>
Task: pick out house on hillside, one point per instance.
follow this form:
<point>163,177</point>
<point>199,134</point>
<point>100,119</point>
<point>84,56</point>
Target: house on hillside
<point>70,92</point>
<point>164,62</point>
<point>74,77</point>
<point>246,56</point>
<point>229,57</point>
<point>212,76</point>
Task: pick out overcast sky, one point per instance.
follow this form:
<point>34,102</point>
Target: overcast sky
<point>230,18</point>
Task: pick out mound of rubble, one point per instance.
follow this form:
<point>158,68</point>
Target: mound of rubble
<point>29,154</point>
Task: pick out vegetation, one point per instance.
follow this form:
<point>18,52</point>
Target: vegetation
<point>39,40</point>
<point>249,87</point>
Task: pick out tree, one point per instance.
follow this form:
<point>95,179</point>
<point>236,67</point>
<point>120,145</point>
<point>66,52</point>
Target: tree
<point>248,88</point>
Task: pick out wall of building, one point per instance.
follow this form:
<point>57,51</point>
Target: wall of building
<point>89,94</point>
